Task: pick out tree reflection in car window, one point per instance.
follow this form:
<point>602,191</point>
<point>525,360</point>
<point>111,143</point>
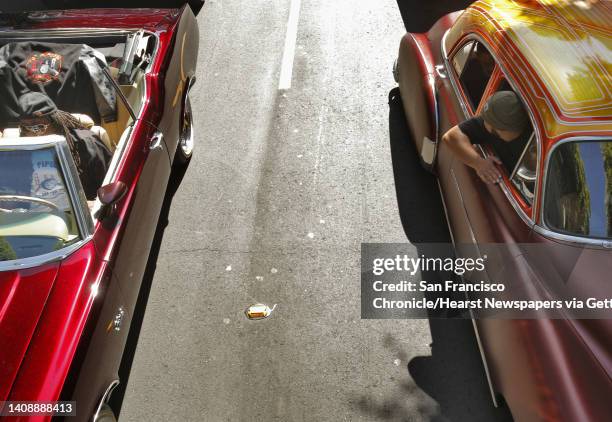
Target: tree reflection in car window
<point>579,189</point>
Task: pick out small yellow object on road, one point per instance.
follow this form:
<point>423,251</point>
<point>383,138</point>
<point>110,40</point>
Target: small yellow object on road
<point>259,311</point>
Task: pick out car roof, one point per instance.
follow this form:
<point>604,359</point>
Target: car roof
<point>559,53</point>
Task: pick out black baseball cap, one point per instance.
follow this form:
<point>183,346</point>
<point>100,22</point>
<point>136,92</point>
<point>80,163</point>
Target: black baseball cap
<point>505,111</point>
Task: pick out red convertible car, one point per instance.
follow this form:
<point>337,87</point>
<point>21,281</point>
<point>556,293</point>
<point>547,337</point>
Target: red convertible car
<point>557,57</point>
<point>71,265</point>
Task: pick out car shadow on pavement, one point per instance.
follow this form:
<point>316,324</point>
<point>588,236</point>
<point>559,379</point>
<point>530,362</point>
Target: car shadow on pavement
<point>453,375</point>
<point>143,296</point>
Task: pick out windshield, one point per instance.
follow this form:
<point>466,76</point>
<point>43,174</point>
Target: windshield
<point>36,214</point>
<point>578,198</point>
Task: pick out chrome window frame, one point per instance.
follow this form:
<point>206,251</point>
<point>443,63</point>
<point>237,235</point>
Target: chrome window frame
<point>543,228</point>
<point>75,193</point>
<point>518,165</point>
<point>529,220</point>
<point>68,32</point>
<point>518,162</point>
<point>466,57</point>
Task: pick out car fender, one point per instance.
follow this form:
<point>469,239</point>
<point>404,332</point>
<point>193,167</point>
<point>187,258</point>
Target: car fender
<point>178,72</point>
<point>417,84</point>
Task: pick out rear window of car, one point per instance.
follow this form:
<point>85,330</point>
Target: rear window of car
<point>578,195</point>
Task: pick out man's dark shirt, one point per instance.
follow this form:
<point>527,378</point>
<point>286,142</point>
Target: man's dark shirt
<point>95,159</point>
<point>508,152</point>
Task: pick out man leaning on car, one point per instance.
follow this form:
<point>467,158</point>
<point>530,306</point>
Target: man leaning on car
<point>502,124</point>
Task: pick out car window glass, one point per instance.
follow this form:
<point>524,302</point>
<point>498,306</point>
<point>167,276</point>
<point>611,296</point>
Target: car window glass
<point>476,72</point>
<point>578,195</point>
<point>461,57</point>
<point>36,214</point>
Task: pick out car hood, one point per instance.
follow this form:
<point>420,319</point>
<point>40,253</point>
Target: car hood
<point>23,295</point>
<point>43,317</point>
<point>32,5</point>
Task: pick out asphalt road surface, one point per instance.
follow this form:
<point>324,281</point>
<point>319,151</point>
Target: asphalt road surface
<point>284,186</point>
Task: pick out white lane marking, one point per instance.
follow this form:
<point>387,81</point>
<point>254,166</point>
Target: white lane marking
<point>289,51</point>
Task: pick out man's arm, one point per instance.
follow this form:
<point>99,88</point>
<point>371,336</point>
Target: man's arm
<point>461,146</point>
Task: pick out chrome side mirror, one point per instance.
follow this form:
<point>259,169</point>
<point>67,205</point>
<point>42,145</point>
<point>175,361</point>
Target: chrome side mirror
<point>525,181</point>
<point>526,175</point>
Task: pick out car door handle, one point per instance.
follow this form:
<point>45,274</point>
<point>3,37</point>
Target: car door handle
<point>157,142</point>
<point>441,71</point>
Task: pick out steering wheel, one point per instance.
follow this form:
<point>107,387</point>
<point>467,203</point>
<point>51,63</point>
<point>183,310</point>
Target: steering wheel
<point>33,199</point>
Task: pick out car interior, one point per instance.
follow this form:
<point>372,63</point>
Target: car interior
<point>127,56</point>
<point>474,66</point>
<point>43,214</point>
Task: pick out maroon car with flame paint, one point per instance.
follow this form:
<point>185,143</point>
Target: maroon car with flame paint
<point>553,208</point>
<point>71,269</point>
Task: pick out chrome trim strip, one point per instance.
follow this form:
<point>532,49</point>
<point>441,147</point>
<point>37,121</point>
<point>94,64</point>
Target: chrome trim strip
<point>36,261</point>
<point>105,398</point>
<point>29,143</point>
<point>114,165</point>
<point>451,76</point>
<point>67,32</point>
<point>75,189</point>
<point>518,162</point>
<point>147,69</point>
<point>546,231</point>
<point>437,119</point>
<point>530,221</point>
<point>440,72</point>
<point>445,212</point>
<point>190,84</point>
<point>484,359</point>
